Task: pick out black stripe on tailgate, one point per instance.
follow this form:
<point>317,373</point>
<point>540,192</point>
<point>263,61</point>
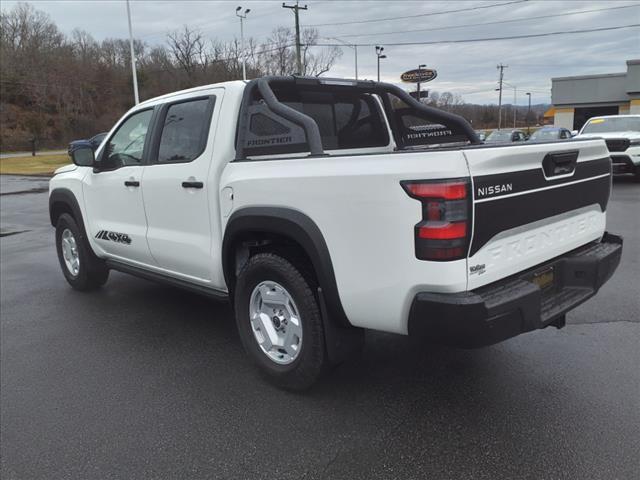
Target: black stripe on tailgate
<point>499,184</point>
<point>495,215</point>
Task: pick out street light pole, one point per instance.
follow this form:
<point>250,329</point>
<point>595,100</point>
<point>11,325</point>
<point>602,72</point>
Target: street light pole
<point>355,51</point>
<point>422,65</point>
<point>242,16</point>
<point>133,58</point>
<point>528,112</point>
<point>379,54</point>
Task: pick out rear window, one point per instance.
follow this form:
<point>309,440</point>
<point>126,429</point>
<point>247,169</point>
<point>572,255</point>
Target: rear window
<point>345,120</point>
<point>184,132</point>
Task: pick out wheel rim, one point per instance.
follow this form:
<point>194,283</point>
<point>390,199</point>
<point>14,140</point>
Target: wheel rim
<point>275,322</point>
<point>70,252</point>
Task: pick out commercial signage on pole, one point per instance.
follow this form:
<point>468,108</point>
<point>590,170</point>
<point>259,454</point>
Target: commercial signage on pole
<point>419,75</point>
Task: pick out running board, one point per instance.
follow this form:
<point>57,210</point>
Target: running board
<point>167,280</point>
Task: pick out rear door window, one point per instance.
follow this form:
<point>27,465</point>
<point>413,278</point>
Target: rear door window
<point>184,130</point>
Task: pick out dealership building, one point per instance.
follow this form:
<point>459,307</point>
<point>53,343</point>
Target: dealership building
<point>576,99</point>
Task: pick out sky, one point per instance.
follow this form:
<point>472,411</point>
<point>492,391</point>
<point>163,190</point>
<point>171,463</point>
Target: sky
<point>468,69</point>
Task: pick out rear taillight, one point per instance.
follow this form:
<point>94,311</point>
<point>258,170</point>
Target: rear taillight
<point>445,229</point>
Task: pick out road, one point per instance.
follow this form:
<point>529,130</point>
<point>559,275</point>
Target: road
<point>145,381</point>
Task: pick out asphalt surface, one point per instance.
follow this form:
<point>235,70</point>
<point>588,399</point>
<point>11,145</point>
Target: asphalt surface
<point>145,381</point>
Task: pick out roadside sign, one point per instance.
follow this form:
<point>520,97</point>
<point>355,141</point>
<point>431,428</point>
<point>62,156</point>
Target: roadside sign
<point>419,75</point>
<point>420,94</point>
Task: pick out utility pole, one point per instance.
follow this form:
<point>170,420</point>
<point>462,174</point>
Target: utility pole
<point>296,8</point>
<point>380,56</point>
<point>500,67</point>
<point>242,16</point>
<point>133,58</point>
<point>515,109</point>
<point>528,112</point>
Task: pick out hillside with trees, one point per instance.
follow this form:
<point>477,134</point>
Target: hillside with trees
<point>56,87</point>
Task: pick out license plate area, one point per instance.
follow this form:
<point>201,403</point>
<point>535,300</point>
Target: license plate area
<point>544,278</point>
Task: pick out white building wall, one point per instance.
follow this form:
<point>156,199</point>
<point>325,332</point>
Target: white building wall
<point>563,118</point>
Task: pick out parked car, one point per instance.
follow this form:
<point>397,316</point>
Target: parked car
<point>93,142</point>
<point>622,135</point>
<point>550,133</point>
<point>506,136</point>
<point>297,200</point>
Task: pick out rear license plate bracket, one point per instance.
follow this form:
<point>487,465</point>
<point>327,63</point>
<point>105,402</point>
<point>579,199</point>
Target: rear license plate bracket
<point>545,278</point>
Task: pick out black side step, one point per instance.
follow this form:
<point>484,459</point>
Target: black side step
<point>167,280</point>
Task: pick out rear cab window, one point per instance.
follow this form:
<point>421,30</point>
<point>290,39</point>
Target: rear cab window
<point>348,122</point>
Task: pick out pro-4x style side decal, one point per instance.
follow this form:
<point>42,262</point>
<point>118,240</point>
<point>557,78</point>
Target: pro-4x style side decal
<point>114,237</point>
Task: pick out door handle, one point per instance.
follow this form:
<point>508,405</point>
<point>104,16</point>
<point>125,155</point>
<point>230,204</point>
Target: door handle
<point>192,184</point>
<point>131,183</point>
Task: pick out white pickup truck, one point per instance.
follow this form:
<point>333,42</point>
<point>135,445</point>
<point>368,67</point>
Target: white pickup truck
<point>323,207</point>
<point>622,135</point>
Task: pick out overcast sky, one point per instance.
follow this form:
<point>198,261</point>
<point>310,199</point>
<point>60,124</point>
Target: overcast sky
<point>468,69</point>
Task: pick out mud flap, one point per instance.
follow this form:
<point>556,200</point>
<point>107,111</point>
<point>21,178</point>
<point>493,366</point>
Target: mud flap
<point>341,342</point>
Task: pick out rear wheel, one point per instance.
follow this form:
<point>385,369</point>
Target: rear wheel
<point>279,321</point>
<point>82,269</point>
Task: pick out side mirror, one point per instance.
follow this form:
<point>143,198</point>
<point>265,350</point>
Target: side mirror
<point>83,156</point>
<point>574,133</point>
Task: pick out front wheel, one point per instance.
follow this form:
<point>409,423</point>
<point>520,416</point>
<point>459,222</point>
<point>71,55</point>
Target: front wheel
<point>82,269</point>
<point>279,321</point>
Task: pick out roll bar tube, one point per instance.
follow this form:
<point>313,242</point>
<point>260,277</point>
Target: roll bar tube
<point>312,132</point>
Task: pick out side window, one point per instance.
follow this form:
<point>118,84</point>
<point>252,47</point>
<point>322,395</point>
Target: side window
<point>126,146</point>
<point>185,131</point>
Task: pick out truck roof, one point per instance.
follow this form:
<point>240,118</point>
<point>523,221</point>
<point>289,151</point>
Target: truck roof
<point>229,84</point>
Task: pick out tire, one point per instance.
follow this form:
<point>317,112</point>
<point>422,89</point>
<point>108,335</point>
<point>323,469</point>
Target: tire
<point>89,273</point>
<point>272,274</point>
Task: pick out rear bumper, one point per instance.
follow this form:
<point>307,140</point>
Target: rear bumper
<point>515,305</point>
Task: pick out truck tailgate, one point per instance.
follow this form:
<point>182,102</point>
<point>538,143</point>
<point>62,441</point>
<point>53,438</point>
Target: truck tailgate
<point>534,202</point>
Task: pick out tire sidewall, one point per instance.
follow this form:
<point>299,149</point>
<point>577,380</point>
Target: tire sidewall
<point>82,280</point>
<point>273,268</point>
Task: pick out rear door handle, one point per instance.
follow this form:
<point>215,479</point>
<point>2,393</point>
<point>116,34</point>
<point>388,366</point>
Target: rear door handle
<point>131,183</point>
<point>192,184</point>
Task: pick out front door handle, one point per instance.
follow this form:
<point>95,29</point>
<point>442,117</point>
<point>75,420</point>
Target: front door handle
<point>192,184</point>
<point>131,183</point>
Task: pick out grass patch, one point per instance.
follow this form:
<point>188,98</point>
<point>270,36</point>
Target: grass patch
<point>41,164</point>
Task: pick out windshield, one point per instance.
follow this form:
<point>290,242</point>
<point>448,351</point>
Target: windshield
<point>499,136</point>
<point>545,135</point>
<point>613,124</point>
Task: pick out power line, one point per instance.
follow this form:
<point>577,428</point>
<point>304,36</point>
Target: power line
<point>488,39</point>
<point>447,27</point>
<point>388,19</point>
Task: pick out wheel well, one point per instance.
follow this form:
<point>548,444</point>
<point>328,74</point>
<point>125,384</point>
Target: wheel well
<point>248,244</point>
<point>57,209</point>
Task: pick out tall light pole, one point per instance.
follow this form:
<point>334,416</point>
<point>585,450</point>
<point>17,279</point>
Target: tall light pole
<point>379,54</point>
<point>422,65</point>
<point>242,16</point>
<point>528,111</point>
<point>355,50</point>
<point>133,58</point>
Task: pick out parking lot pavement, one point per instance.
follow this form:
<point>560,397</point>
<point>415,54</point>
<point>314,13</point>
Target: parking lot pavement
<point>144,381</point>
